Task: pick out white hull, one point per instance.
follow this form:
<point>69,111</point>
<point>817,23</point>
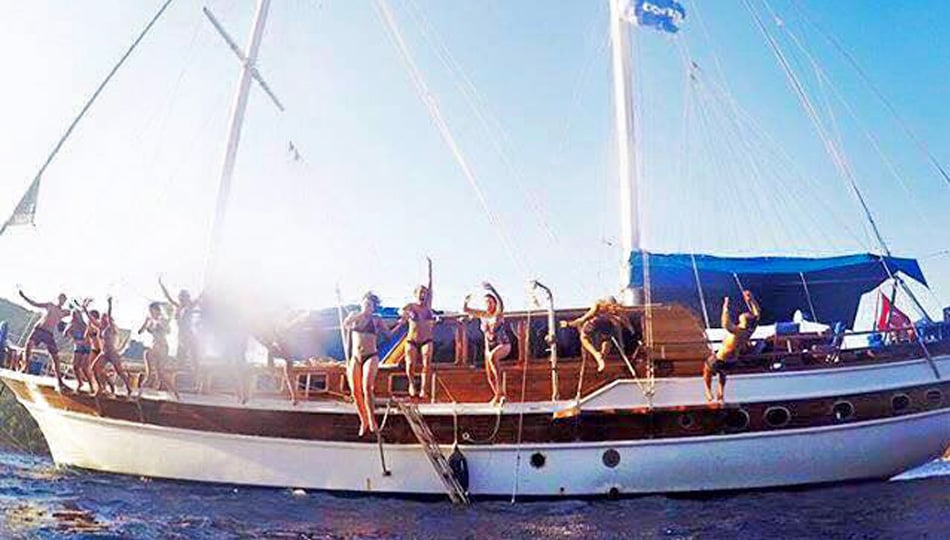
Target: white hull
<point>876,449</point>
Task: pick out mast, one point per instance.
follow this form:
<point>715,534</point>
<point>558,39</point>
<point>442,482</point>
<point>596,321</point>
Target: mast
<point>248,72</point>
<point>626,146</point>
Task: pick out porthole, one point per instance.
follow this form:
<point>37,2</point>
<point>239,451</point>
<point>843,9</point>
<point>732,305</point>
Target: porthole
<point>777,416</point>
<point>686,420</point>
<point>842,411</point>
<point>900,402</point>
<point>611,458</point>
<point>737,419</point>
<point>934,397</point>
<point>538,460</point>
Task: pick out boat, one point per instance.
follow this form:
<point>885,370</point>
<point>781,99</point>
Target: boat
<point>806,404</point>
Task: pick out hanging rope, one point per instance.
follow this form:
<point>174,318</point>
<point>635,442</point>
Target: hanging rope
<point>524,388</point>
<point>699,289</point>
<point>435,113</point>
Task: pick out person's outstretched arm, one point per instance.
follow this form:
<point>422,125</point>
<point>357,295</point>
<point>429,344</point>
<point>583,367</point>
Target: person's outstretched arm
<point>167,295</point>
<point>726,319</point>
<point>501,303</point>
<point>30,301</point>
<point>470,310</point>
<point>580,321</point>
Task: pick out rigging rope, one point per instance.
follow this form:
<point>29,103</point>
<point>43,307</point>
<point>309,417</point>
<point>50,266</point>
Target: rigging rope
<point>824,80</point>
<point>834,152</point>
<point>918,141</point>
<point>435,113</point>
<point>99,89</point>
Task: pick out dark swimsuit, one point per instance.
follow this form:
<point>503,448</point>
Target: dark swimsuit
<point>496,333</point>
<point>367,327</point>
<point>418,345</point>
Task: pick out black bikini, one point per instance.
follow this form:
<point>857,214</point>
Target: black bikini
<point>366,327</point>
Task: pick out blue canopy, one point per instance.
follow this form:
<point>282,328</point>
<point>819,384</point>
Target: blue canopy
<point>834,284</point>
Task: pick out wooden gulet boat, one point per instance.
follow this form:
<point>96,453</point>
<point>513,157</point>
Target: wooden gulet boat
<point>790,419</point>
<point>804,408</point>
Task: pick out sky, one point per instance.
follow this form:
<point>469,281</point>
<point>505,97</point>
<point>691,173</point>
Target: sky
<point>730,163</point>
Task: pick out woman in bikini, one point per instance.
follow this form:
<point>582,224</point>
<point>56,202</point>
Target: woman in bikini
<point>156,356</point>
<point>497,342</point>
<point>419,344</point>
<point>365,327</point>
<point>598,327</point>
<point>95,378</point>
<point>77,331</point>
<point>108,336</point>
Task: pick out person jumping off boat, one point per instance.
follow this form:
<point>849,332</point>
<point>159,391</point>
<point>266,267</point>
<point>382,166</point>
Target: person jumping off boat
<point>44,331</point>
<point>597,327</point>
<point>185,310</point>
<point>365,327</point>
<point>735,342</point>
<point>108,334</point>
<point>156,357</point>
<point>497,342</point>
<point>77,331</point>
<point>419,343</point>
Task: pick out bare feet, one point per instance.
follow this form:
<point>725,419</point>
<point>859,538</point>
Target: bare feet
<point>600,362</point>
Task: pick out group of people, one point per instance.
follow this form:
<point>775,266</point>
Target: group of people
<point>96,343</point>
<point>95,339</point>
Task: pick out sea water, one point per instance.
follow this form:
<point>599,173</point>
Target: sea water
<point>39,500</point>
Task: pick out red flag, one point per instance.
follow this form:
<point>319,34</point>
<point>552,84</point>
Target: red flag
<point>891,318</point>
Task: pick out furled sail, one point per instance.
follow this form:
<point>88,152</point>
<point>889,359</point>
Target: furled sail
<point>25,210</point>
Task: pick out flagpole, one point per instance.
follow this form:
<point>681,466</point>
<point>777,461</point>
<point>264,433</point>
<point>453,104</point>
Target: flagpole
<point>626,147</point>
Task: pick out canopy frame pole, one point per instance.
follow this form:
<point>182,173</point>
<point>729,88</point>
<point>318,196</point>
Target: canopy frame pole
<point>811,305</point>
<point>699,288</point>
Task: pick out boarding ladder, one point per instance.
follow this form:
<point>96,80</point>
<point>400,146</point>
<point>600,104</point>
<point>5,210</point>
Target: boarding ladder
<point>441,466</point>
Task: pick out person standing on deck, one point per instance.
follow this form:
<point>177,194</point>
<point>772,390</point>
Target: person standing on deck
<point>365,327</point>
<point>109,336</point>
<point>156,356</point>
<point>599,323</point>
<point>77,331</point>
<point>185,310</point>
<point>419,336</point>
<point>44,331</point>
<point>497,341</point>
<point>736,340</point>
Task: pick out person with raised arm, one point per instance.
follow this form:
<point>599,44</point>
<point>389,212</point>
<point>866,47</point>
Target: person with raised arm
<point>156,356</point>
<point>497,341</point>
<point>598,325</point>
<point>44,332</point>
<point>736,340</point>
<point>419,345</point>
<point>109,335</point>
<point>185,310</point>
<point>365,327</point>
<point>77,330</point>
